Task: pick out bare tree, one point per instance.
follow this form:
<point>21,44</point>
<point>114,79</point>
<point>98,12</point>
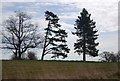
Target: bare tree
<point>20,34</point>
<point>109,56</point>
<point>118,56</point>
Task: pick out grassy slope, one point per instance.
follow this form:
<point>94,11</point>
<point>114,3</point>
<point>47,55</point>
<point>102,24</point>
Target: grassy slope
<point>58,70</point>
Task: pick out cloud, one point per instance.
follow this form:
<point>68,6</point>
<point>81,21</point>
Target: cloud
<point>71,15</point>
<point>0,13</point>
<point>32,13</point>
<point>108,41</point>
<point>6,15</point>
<point>7,5</point>
<point>79,1</point>
<point>47,4</point>
<point>66,26</point>
<point>104,12</point>
<point>106,16</point>
<point>18,0</point>
<point>41,24</point>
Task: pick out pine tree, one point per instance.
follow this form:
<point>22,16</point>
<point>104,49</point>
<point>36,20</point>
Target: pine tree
<point>55,42</point>
<point>87,35</point>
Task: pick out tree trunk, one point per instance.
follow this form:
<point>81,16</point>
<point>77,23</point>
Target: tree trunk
<point>19,42</point>
<point>84,47</point>
<point>19,56</point>
<point>84,58</point>
<point>43,53</point>
<point>42,58</point>
<point>16,54</point>
<point>84,52</point>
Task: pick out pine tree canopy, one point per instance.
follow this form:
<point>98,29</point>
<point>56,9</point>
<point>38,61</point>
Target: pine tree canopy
<point>55,39</point>
<point>85,30</point>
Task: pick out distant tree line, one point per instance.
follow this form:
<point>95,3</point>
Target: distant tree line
<point>110,56</point>
<point>21,34</point>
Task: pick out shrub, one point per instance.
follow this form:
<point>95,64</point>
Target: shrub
<point>32,56</point>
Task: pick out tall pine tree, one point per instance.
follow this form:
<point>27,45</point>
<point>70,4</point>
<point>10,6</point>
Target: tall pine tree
<point>87,35</point>
<point>55,42</point>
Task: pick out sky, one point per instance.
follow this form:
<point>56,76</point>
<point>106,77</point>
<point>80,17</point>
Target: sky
<point>103,12</point>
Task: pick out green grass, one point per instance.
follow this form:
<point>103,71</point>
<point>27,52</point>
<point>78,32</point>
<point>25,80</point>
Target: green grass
<point>21,69</point>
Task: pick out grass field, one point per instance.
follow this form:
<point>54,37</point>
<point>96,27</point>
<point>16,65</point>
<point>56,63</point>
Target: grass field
<point>59,70</point>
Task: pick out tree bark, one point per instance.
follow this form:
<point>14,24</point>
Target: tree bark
<point>84,46</point>
<point>44,47</point>
<point>84,51</point>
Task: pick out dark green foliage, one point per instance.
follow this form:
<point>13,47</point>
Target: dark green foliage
<point>32,56</point>
<point>55,42</point>
<point>110,56</point>
<point>13,57</point>
<point>118,56</point>
<point>87,35</point>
